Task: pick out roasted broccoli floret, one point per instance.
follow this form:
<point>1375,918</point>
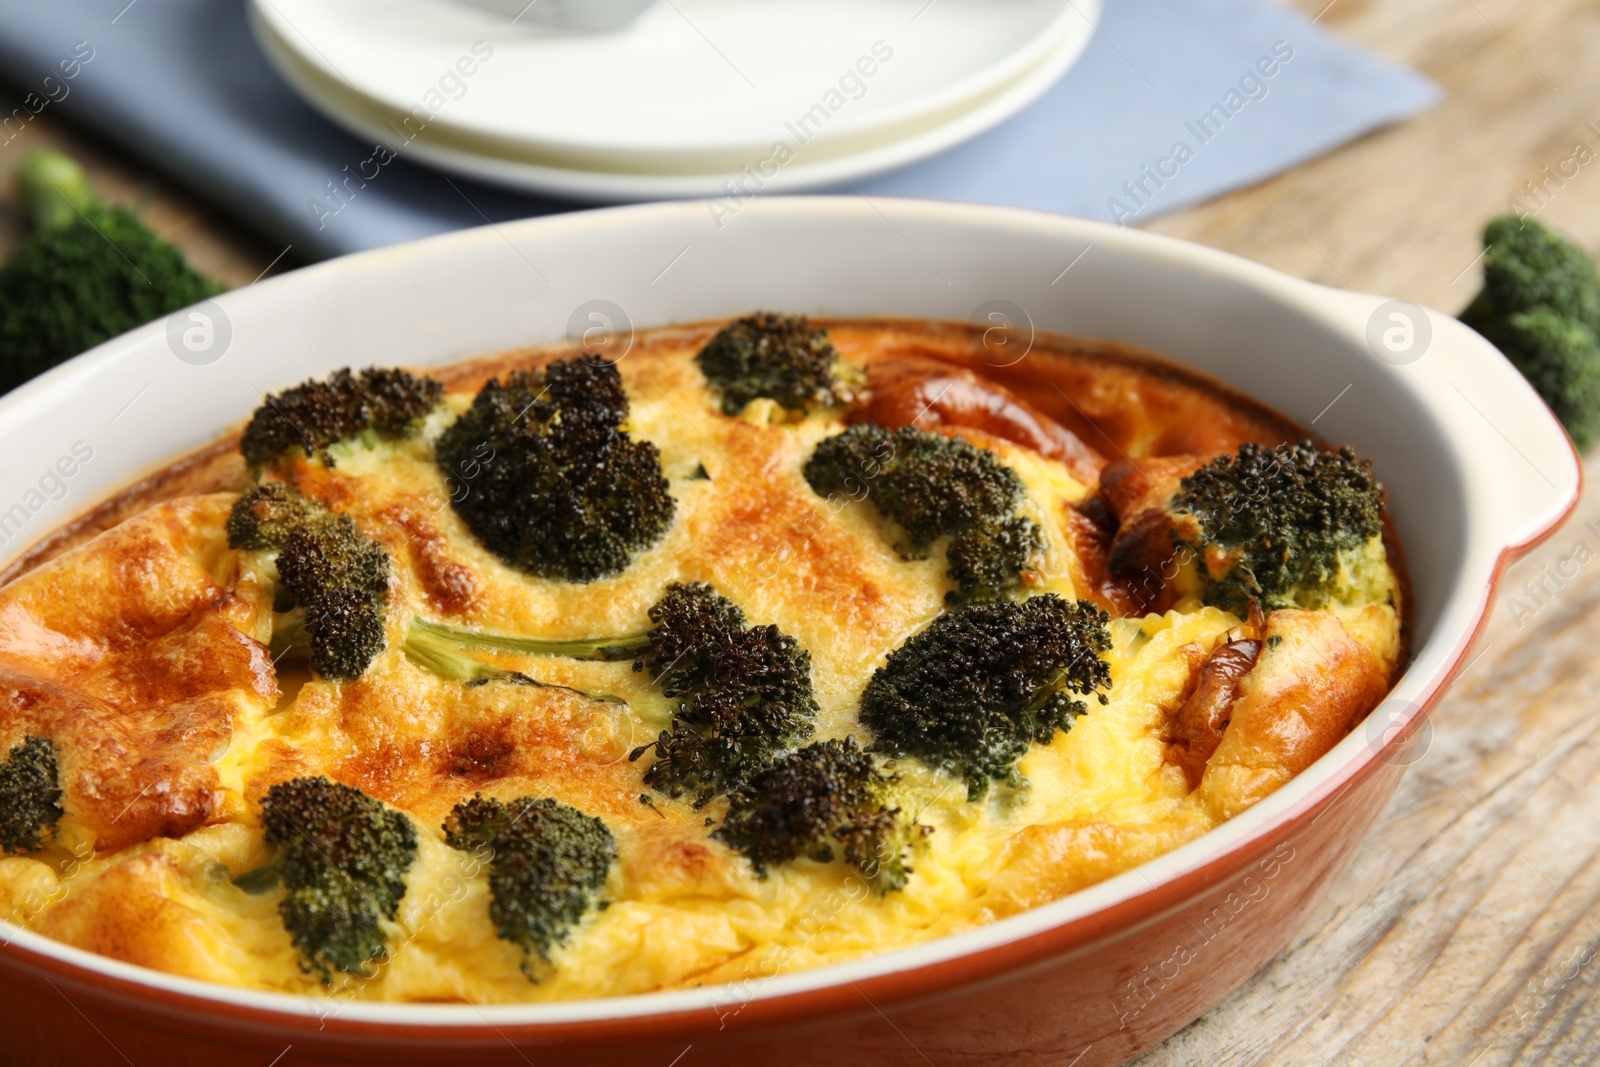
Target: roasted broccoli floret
<point>569,494</point>
<point>827,800</point>
<point>744,694</point>
<point>547,865</point>
<point>1277,526</point>
<point>343,857</point>
<point>87,274</point>
<point>30,795</point>
<point>315,415</point>
<point>1540,305</point>
<point>989,557</point>
<point>265,515</point>
<point>336,575</point>
<point>971,692</point>
<point>933,486</point>
<point>776,356</point>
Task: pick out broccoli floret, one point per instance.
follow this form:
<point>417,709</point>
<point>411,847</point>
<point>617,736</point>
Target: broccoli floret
<point>343,858</point>
<point>933,486</point>
<point>828,799</point>
<point>87,274</point>
<point>30,795</point>
<point>989,557</point>
<point>314,415</point>
<point>776,356</point>
<point>547,864</point>
<point>1560,357</point>
<point>744,694</point>
<point>1526,265</point>
<point>264,515</point>
<point>1273,526</point>
<point>1540,305</point>
<point>971,692</point>
<point>569,494</point>
<point>335,574</point>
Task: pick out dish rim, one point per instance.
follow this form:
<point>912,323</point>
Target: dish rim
<point>1137,895</point>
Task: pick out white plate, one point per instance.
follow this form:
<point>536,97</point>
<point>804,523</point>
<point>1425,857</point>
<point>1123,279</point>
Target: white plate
<point>592,180</point>
<point>688,79</point>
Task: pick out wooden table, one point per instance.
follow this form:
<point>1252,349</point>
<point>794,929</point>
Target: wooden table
<point>1466,930</point>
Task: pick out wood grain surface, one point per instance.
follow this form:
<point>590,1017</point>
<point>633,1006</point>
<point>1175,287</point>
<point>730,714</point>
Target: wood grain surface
<point>1467,928</point>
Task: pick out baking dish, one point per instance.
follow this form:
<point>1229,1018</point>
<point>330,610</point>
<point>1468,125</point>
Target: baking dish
<point>1478,471</point>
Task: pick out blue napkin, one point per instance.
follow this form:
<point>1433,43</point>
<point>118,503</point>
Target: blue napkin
<point>1174,101</point>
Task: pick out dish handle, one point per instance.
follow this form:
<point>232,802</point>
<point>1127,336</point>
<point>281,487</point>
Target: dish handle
<point>1523,474</point>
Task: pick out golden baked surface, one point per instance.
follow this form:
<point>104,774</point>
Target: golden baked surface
<point>136,641</point>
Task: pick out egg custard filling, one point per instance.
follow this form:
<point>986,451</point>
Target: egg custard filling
<point>771,645</point>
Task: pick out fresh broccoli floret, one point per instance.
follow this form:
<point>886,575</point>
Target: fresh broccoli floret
<point>569,494</point>
<point>316,414</point>
<point>971,692</point>
<point>1275,526</point>
<point>30,795</point>
<point>87,274</point>
<point>828,799</point>
<point>1540,305</point>
<point>933,486</point>
<point>1560,357</point>
<point>547,865</point>
<point>744,694</point>
<point>343,858</point>
<point>335,574</point>
<point>776,356</point>
<point>1526,265</point>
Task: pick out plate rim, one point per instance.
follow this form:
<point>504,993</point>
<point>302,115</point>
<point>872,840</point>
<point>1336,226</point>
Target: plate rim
<point>603,187</point>
<point>1084,13</point>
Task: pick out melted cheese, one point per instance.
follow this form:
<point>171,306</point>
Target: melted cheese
<point>683,909</point>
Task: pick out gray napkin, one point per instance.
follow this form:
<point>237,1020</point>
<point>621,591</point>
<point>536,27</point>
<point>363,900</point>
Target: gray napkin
<point>1173,102</point>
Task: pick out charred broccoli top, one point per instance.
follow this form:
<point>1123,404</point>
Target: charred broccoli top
<point>334,573</point>
<point>1540,305</point>
<point>87,274</point>
<point>829,798</point>
<point>30,795</point>
<point>1277,526</point>
<point>569,494</point>
<point>971,692</point>
<point>744,693</point>
<point>547,864</point>
<point>314,415</point>
<point>933,486</point>
<point>776,356</point>
<point>343,858</point>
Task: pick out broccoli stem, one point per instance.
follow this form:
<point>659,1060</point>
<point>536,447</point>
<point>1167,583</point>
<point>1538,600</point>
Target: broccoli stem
<point>439,649</point>
<point>626,646</point>
<point>54,189</point>
<point>265,877</point>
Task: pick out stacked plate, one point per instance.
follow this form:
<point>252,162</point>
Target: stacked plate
<point>694,98</point>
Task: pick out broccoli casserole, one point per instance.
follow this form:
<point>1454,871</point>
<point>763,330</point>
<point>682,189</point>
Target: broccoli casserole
<point>773,644</point>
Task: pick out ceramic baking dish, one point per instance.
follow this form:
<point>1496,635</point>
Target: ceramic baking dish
<point>1478,471</point>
